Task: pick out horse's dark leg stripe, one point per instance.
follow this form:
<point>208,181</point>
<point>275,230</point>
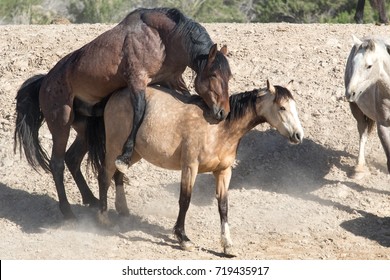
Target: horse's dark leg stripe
<point>139,104</point>
<point>179,230</point>
<point>223,209</point>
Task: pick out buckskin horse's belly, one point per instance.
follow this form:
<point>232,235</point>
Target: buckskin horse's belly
<point>172,133</point>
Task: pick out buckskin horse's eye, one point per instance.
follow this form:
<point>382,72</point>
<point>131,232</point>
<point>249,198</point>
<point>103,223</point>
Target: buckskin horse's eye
<point>282,108</point>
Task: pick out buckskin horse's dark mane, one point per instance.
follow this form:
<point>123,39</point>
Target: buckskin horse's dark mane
<point>241,102</point>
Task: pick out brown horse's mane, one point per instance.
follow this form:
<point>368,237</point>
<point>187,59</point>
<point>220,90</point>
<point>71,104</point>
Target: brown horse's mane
<point>196,41</point>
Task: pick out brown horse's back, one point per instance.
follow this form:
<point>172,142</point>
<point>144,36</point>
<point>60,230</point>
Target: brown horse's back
<point>132,53</point>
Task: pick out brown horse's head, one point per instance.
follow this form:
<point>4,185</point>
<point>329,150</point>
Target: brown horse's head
<point>212,80</point>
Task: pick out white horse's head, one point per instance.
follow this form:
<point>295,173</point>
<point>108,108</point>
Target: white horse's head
<point>368,63</point>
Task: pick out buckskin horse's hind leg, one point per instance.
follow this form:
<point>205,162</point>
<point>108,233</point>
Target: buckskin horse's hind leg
<point>120,196</point>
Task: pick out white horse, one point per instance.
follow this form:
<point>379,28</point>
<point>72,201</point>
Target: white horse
<point>367,85</point>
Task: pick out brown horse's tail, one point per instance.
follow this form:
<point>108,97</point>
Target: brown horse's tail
<point>28,121</point>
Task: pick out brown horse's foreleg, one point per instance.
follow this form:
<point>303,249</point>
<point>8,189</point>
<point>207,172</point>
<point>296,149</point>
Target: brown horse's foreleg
<point>222,179</point>
<point>139,104</point>
<point>73,158</point>
<point>365,126</point>
<point>188,176</point>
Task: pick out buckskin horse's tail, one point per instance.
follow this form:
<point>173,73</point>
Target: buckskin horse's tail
<point>28,121</point>
<point>96,140</point>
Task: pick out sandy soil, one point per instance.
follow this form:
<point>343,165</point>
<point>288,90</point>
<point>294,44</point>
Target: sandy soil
<point>286,201</point>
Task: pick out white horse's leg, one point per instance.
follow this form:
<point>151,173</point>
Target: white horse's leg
<point>364,126</point>
<point>361,166</point>
<point>222,178</point>
<point>384,136</point>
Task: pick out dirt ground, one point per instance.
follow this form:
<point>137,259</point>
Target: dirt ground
<point>286,201</point>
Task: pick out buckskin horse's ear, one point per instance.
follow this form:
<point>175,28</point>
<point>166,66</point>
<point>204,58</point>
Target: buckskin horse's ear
<point>224,50</point>
<point>270,87</point>
<point>212,54</point>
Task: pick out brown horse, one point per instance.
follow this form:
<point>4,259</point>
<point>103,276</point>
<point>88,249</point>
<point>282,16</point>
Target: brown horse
<point>175,135</point>
<point>150,46</point>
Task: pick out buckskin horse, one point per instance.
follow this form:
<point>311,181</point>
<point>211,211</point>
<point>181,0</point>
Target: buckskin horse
<point>150,46</point>
<point>175,135</point>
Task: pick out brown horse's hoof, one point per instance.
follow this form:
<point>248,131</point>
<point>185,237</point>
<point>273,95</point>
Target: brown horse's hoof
<point>187,246</point>
<point>121,165</point>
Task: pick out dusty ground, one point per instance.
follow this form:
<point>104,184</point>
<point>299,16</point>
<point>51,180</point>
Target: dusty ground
<point>286,202</point>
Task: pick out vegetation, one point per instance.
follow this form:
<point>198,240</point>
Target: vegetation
<point>110,11</point>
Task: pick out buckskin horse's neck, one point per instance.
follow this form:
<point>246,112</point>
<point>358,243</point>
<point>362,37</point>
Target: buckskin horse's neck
<point>243,116</point>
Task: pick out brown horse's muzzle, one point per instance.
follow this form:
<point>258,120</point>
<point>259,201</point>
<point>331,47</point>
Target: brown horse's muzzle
<point>218,113</point>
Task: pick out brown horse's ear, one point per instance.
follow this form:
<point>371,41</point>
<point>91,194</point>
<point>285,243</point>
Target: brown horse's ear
<point>290,85</point>
<point>212,54</point>
<point>224,50</point>
<point>270,87</point>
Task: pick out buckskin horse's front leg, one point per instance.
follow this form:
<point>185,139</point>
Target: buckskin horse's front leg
<point>222,178</point>
<point>188,176</point>
<point>139,104</point>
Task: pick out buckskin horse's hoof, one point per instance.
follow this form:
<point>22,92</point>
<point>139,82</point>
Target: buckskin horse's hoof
<point>187,246</point>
